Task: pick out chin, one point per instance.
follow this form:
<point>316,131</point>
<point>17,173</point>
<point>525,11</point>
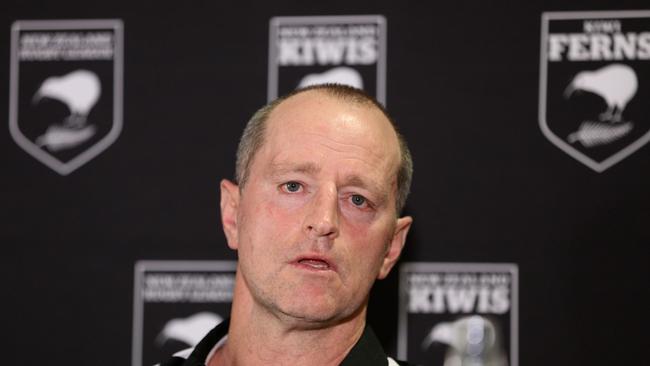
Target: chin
<point>311,312</point>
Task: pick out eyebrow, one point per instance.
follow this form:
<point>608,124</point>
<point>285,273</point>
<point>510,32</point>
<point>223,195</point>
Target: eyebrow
<point>304,168</point>
<point>355,180</point>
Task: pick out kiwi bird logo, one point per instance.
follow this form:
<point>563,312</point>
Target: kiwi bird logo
<point>189,330</point>
<point>338,75</point>
<point>616,84</point>
<point>591,108</point>
<point>472,341</point>
<point>79,91</point>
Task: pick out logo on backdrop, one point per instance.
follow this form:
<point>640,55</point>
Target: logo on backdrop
<point>176,304</point>
<point>66,89</point>
<point>594,81</point>
<point>458,314</point>
<point>312,50</point>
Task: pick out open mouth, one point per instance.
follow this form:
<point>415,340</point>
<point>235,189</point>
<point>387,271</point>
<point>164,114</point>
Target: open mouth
<point>315,264</point>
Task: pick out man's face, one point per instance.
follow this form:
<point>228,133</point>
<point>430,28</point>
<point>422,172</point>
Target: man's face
<point>315,224</point>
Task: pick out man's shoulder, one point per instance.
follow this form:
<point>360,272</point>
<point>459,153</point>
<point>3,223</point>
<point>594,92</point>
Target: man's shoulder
<point>173,361</point>
<point>367,350</point>
<point>181,358</point>
<point>196,356</point>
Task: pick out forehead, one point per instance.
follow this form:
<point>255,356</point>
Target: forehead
<point>314,125</point>
<point>319,112</point>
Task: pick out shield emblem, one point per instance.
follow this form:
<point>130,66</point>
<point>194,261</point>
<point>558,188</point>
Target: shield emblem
<point>176,303</point>
<point>343,49</point>
<point>66,89</point>
<point>459,313</point>
<point>594,79</point>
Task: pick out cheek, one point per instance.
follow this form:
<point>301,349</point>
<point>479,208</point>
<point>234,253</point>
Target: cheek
<point>369,229</point>
<point>281,216</point>
<point>366,246</point>
<point>269,224</point>
<point>369,244</point>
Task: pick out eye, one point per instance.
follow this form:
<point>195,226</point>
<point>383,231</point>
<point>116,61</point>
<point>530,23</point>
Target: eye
<point>358,200</point>
<point>291,187</point>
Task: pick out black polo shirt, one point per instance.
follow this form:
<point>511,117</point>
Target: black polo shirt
<point>366,352</point>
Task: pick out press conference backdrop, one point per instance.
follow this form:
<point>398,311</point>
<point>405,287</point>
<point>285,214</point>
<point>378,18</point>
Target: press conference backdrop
<point>529,125</point>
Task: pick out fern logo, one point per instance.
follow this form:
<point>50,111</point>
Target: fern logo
<point>593,70</point>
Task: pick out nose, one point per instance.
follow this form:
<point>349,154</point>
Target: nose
<point>322,219</point>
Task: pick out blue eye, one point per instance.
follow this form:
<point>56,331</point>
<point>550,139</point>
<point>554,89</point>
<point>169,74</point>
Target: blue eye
<point>358,200</point>
<point>292,186</point>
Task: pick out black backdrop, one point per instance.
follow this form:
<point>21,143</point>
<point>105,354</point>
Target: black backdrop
<point>463,83</point>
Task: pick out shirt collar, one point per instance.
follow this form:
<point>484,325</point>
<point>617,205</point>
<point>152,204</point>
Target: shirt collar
<point>366,352</point>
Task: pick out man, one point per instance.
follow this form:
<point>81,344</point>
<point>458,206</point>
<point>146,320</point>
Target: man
<point>322,176</point>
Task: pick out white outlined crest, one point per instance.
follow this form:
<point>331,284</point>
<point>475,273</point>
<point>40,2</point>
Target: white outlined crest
<point>66,89</point>
<point>177,299</point>
<point>345,49</point>
<point>442,305</point>
<point>594,78</point>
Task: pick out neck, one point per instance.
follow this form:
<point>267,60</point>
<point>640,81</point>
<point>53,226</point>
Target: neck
<point>258,336</point>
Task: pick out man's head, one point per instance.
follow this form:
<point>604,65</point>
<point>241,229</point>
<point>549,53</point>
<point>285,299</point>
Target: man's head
<point>253,136</point>
<point>313,219</point>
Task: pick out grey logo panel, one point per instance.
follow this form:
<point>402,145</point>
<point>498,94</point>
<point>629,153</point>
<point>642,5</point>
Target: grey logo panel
<point>594,68</point>
<point>176,303</point>
<point>65,103</point>
<point>310,50</point>
<point>458,314</point>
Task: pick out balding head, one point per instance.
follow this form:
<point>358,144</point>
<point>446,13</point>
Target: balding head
<point>255,132</point>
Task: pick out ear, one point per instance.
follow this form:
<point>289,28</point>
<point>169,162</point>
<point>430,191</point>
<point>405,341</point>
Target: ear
<point>229,208</point>
<point>395,246</point>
